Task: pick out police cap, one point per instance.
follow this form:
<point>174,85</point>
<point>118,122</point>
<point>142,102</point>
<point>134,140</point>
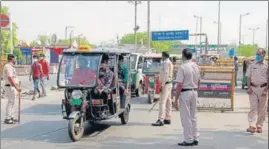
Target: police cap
<point>165,54</point>
<point>10,56</point>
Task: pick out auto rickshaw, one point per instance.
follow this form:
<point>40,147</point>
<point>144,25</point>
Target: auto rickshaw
<point>151,70</point>
<point>136,74</point>
<point>86,98</point>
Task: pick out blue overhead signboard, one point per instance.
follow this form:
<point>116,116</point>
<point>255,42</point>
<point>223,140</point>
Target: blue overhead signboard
<point>170,35</point>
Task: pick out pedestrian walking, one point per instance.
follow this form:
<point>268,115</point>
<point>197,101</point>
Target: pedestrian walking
<point>165,103</point>
<point>257,74</point>
<point>45,76</point>
<point>236,67</point>
<point>11,88</point>
<point>188,80</point>
<point>35,75</point>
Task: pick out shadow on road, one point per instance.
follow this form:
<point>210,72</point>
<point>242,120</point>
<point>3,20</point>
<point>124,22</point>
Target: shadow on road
<point>43,109</point>
<point>232,139</point>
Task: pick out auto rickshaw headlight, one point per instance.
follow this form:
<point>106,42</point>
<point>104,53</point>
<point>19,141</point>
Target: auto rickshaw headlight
<point>76,94</point>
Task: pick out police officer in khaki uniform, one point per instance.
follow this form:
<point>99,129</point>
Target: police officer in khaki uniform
<point>188,80</point>
<point>11,88</point>
<point>257,74</point>
<point>165,103</point>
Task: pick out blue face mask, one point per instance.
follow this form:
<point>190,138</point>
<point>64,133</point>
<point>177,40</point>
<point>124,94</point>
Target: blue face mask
<point>258,58</point>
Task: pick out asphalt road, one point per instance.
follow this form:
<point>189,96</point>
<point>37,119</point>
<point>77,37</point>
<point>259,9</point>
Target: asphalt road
<point>42,127</point>
<point>28,85</point>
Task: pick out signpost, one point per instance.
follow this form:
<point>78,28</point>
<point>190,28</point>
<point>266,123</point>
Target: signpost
<point>170,35</point>
<point>4,21</point>
<point>6,24</point>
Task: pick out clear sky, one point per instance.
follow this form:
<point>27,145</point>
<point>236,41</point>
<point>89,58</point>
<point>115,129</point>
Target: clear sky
<point>102,21</point>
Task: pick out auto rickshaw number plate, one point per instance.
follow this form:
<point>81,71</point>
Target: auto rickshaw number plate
<point>75,102</point>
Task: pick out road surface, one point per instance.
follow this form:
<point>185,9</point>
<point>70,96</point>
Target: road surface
<point>42,127</point>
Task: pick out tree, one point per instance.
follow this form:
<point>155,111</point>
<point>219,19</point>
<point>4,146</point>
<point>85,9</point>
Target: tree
<point>81,41</point>
<point>142,38</point>
<point>247,50</point>
<point>5,36</point>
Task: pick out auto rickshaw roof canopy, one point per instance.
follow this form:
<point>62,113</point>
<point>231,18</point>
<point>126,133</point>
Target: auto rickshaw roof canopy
<point>102,50</point>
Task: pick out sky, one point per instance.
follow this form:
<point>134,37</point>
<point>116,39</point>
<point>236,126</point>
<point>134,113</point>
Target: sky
<point>103,20</point>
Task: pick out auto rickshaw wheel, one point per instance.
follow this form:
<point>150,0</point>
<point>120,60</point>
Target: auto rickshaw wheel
<point>125,116</point>
<point>150,98</point>
<point>76,128</point>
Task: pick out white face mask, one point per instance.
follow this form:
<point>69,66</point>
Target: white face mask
<point>35,60</point>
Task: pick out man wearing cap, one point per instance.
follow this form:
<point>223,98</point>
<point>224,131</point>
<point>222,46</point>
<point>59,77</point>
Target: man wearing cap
<point>257,74</point>
<point>188,80</point>
<point>165,103</point>
<point>45,76</point>
<point>11,88</point>
<point>36,74</point>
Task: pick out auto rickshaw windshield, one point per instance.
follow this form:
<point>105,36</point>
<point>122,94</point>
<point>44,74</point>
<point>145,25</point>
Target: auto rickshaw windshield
<point>78,70</point>
<point>152,65</point>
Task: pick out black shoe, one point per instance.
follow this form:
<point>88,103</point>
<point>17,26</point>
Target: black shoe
<point>185,144</point>
<point>158,123</point>
<point>195,142</point>
<point>9,121</point>
<point>167,122</point>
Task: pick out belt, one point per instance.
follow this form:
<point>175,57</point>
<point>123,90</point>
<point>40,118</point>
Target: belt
<point>168,82</point>
<point>188,89</point>
<point>263,85</point>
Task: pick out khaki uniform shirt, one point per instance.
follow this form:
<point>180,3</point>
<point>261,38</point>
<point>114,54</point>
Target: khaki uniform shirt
<point>258,73</point>
<point>166,74</point>
<point>10,71</point>
<point>189,75</point>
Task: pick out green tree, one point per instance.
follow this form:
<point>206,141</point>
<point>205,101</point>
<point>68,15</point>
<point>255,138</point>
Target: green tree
<point>142,38</point>
<point>247,50</point>
<point>5,36</point>
<point>44,40</point>
<point>81,41</point>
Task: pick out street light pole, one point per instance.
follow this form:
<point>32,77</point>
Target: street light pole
<point>219,29</point>
<point>149,37</point>
<point>240,26</point>
<point>70,38</point>
<point>196,30</point>
<point>66,28</point>
<point>79,38</point>
<point>199,17</point>
<point>253,31</point>
<point>135,19</point>
<point>243,39</point>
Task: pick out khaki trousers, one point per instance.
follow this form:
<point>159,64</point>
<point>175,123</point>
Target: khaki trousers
<point>165,103</point>
<point>258,106</point>
<point>187,108</point>
<point>12,95</point>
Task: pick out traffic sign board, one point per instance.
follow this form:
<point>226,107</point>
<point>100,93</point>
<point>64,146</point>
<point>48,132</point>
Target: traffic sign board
<point>4,20</point>
<point>170,35</point>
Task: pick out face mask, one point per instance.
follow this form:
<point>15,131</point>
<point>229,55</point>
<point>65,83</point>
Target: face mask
<point>258,58</point>
<point>35,60</point>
